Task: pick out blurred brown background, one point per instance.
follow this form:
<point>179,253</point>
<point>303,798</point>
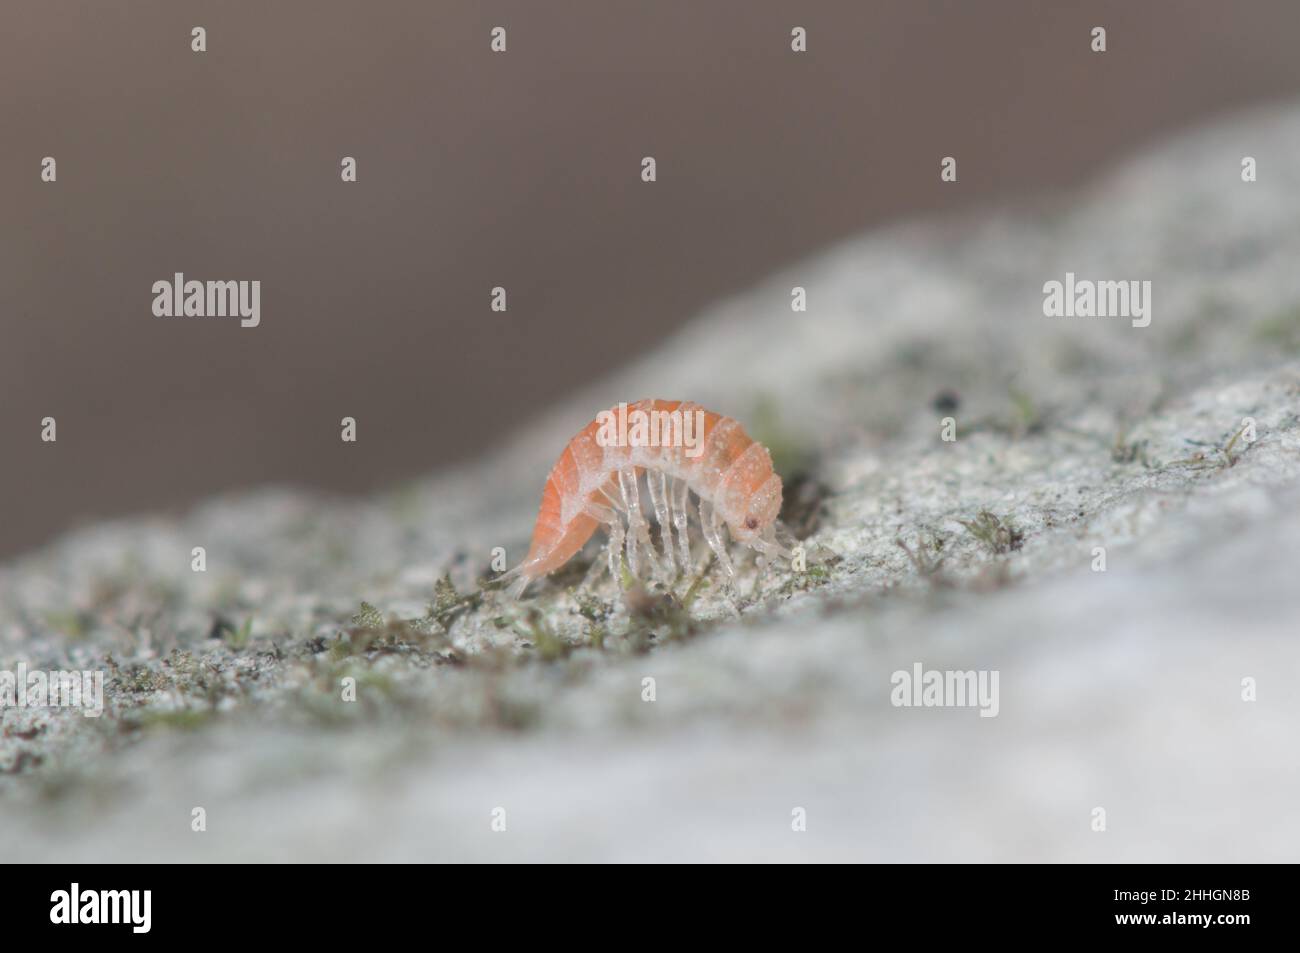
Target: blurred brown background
<point>478,169</point>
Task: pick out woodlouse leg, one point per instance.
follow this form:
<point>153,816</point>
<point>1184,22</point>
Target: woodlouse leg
<point>770,547</point>
<point>594,572</point>
<point>658,485</point>
<point>766,552</point>
<point>516,580</point>
<point>681,491</point>
<point>617,504</point>
<point>638,532</point>
<point>613,549</point>
<point>720,533</point>
<point>633,510</point>
<point>709,524</point>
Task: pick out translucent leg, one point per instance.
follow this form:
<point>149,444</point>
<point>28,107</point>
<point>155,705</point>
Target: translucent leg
<point>594,572</point>
<point>616,504</point>
<point>770,545</point>
<point>720,534</point>
<point>713,536</point>
<point>633,518</point>
<point>613,549</point>
<point>638,533</point>
<point>681,493</point>
<point>658,484</point>
<point>515,582</point>
<point>783,539</point>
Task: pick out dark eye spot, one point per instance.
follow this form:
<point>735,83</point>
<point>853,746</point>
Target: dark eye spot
<point>751,523</point>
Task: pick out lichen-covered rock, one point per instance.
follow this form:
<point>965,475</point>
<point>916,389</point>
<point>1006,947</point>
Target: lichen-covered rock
<point>1080,442</point>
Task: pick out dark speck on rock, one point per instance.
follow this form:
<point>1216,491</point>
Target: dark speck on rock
<point>946,402</point>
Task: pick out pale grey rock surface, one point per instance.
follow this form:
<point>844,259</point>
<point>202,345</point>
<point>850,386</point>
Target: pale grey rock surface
<point>1119,689</point>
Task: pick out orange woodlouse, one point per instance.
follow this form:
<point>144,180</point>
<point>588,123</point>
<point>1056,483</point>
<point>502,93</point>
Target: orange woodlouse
<point>676,449</point>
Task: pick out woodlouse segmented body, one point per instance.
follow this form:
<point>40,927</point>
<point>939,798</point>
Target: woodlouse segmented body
<point>597,482</point>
